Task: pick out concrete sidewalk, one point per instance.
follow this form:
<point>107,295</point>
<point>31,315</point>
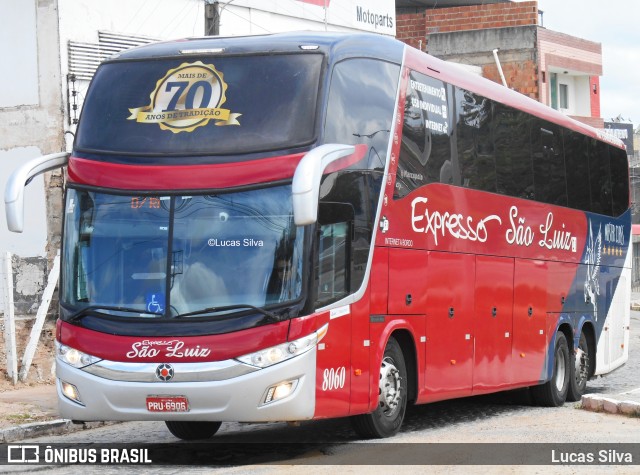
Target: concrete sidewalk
<point>32,411</point>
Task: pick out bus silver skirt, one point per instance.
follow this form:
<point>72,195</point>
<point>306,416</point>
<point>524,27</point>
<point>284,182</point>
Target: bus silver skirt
<point>237,399</point>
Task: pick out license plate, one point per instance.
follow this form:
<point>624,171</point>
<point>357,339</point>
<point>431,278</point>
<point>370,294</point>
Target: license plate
<point>167,404</point>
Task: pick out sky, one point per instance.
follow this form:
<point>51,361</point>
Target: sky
<point>616,25</point>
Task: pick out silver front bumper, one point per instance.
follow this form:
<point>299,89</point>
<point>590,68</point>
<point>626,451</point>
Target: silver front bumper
<point>238,398</point>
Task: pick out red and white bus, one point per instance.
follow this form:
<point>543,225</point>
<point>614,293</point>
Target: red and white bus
<point>303,226</point>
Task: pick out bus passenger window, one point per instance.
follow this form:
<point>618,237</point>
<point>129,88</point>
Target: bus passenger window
<point>425,152</point>
<point>513,152</point>
<point>474,144</point>
<point>619,180</point>
<point>360,107</point>
<point>333,262</point>
<point>548,163</point>
<point>600,178</point>
<point>576,155</point>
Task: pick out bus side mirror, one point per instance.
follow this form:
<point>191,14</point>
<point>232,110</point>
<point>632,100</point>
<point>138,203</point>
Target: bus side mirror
<point>306,180</point>
<point>14,189</point>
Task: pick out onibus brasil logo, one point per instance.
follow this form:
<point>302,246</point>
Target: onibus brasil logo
<point>187,97</point>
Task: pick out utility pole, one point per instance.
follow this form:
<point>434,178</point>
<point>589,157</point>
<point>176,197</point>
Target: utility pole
<point>325,15</point>
<point>211,19</point>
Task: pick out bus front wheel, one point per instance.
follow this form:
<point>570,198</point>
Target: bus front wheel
<point>554,392</point>
<point>193,430</point>
<point>386,420</point>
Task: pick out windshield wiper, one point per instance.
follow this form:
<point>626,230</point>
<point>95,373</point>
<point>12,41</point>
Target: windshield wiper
<point>272,316</point>
<point>87,310</point>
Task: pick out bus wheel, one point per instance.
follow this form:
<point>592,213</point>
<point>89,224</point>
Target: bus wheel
<point>386,420</point>
<point>554,392</point>
<point>580,370</point>
<point>193,430</point>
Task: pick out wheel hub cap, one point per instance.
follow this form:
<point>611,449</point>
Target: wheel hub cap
<point>390,387</point>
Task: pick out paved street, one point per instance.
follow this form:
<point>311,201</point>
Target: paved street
<point>468,421</point>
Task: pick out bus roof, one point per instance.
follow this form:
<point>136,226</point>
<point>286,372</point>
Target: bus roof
<point>339,46</point>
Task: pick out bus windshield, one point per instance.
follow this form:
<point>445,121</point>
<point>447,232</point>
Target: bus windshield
<point>201,106</point>
<point>167,256</point>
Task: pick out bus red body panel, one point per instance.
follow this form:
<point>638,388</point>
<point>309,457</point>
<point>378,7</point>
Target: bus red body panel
<point>530,338</point>
<point>450,326</point>
<point>154,177</point>
<point>493,323</point>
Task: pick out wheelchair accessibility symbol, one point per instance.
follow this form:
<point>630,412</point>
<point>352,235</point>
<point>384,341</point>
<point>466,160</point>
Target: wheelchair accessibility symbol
<point>154,303</point>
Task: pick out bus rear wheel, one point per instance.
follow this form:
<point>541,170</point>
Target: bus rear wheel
<point>386,420</point>
<point>193,430</point>
<point>554,392</point>
<point>580,370</point>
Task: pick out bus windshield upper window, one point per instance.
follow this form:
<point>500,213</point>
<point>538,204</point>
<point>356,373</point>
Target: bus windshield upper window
<point>206,106</point>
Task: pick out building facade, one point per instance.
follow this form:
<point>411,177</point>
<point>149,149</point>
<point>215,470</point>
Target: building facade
<point>554,68</point>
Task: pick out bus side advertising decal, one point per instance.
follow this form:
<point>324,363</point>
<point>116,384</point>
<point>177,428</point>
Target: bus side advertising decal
<point>549,235</point>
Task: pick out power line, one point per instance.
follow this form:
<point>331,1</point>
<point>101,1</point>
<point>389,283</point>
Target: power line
<point>195,20</point>
<point>248,21</point>
<point>136,14</point>
<point>175,22</point>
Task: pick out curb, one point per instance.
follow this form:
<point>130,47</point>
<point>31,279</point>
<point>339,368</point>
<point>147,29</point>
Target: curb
<point>595,403</point>
<point>41,429</point>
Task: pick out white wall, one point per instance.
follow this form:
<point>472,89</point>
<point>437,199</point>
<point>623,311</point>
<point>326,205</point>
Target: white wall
<point>19,78</point>
<point>30,105</point>
<point>583,96</point>
<point>80,20</point>
<point>241,21</point>
<point>579,94</point>
<point>571,96</point>
<point>256,17</point>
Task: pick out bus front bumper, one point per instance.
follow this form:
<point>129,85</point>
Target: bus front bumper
<point>236,399</point>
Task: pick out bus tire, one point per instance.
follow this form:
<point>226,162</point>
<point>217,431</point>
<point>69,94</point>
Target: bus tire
<point>386,420</point>
<point>582,359</point>
<point>553,393</point>
<point>193,430</point>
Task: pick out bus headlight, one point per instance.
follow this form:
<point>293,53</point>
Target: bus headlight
<point>74,357</point>
<point>279,353</point>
